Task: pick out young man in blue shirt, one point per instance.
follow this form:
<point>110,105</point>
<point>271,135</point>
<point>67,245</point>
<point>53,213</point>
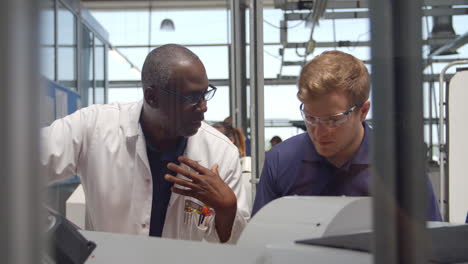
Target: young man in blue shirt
<point>332,158</point>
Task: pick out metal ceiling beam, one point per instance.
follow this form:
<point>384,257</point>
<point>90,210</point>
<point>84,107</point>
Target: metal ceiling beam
<point>324,44</point>
<point>210,4</point>
<point>365,14</point>
<point>292,5</point>
<point>285,80</point>
<point>164,5</point>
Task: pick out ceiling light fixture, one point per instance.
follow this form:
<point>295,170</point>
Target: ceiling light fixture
<point>167,25</point>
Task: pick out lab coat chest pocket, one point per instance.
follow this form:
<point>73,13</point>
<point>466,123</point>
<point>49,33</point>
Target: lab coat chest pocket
<point>184,219</point>
<point>197,216</point>
<point>187,218</point>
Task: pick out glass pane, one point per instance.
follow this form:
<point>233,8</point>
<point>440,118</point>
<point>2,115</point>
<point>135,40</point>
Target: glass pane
<point>99,59</point>
<point>282,95</point>
<point>125,95</point>
<point>215,59</point>
<point>90,96</point>
<point>87,65</point>
<point>271,25</point>
<point>99,71</point>
<point>66,67</point>
<point>272,61</point>
<point>120,68</point>
<point>191,26</point>
<point>360,29</point>
<point>66,48</point>
<point>47,62</point>
<point>125,27</point>
<point>218,106</point>
<point>46,38</point>
<point>100,95</point>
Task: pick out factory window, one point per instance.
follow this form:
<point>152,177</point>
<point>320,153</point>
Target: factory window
<point>87,65</point>
<point>67,49</point>
<point>47,40</point>
<point>99,65</point>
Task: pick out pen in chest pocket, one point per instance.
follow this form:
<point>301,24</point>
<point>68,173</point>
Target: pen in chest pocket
<point>191,208</point>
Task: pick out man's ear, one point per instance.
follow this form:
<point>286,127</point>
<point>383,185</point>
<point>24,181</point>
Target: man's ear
<point>364,110</point>
<point>150,97</point>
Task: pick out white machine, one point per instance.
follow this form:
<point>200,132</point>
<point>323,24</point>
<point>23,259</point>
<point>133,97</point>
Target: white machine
<point>76,207</point>
<point>457,147</point>
<point>338,224</point>
<point>269,237</point>
<point>288,219</point>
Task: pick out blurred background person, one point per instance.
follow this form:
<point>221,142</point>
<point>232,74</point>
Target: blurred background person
<point>275,140</point>
<point>237,138</point>
<point>234,134</point>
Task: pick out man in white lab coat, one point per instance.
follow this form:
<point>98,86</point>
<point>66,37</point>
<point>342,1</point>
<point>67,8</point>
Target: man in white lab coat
<point>154,167</point>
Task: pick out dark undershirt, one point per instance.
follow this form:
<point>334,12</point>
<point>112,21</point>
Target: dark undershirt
<point>161,188</point>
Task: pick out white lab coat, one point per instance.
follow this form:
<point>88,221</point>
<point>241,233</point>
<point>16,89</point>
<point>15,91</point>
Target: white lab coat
<point>105,146</point>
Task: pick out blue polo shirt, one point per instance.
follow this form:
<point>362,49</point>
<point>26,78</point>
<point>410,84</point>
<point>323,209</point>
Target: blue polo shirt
<point>161,188</point>
<point>294,167</point>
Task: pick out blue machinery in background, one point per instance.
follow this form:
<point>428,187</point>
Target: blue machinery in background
<point>60,101</point>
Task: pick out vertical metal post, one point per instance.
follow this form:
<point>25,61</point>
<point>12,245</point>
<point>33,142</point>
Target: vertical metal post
<point>411,173</point>
<point>79,57</point>
<point>94,68</point>
<point>83,74</point>
<point>56,47</point>
<point>257,117</point>
<point>399,180</point>
<point>429,103</point>
<point>385,245</point>
<point>106,78</point>
<point>20,222</point>
<point>238,83</point>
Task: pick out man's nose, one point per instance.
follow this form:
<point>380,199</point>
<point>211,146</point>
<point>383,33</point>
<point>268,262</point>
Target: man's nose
<point>202,106</point>
<point>321,129</point>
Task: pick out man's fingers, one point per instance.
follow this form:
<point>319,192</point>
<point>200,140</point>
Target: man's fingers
<point>183,192</point>
<point>180,182</point>
<point>181,170</point>
<point>214,169</point>
<point>193,164</point>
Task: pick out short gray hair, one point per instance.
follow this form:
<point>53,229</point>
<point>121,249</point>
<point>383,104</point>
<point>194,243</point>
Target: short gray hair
<point>157,69</point>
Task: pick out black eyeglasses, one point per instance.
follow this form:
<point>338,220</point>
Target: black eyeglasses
<point>192,100</point>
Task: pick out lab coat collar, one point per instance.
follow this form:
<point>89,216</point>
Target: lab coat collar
<point>131,124</point>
